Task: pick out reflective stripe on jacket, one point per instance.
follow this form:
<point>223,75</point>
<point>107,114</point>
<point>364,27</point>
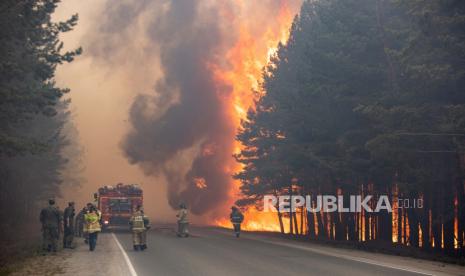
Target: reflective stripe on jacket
<point>137,221</point>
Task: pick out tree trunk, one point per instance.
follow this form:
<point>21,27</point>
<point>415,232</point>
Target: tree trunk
<point>310,225</point>
<point>280,218</point>
<point>296,223</point>
<point>302,220</point>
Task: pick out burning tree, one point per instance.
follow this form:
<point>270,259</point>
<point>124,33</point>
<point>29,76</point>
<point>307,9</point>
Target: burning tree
<point>365,98</point>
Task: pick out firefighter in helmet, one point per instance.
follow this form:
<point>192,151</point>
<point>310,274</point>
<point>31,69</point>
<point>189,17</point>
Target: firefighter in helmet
<point>85,226</point>
<point>183,222</point>
<point>79,225</point>
<point>236,218</point>
<point>139,223</point>
<point>92,219</point>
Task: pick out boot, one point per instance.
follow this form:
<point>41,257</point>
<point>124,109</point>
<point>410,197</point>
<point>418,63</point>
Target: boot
<point>143,247</point>
<point>136,247</point>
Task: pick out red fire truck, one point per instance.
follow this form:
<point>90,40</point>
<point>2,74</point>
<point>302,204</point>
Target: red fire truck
<point>117,203</point>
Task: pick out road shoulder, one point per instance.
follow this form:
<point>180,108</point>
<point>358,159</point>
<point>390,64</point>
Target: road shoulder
<point>107,259</point>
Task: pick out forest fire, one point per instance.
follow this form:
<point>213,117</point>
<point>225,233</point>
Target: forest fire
<point>247,58</point>
<point>335,127</point>
<point>255,220</point>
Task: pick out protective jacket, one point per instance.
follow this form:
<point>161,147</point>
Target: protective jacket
<point>182,216</point>
<point>236,217</point>
<point>138,221</point>
<point>93,222</point>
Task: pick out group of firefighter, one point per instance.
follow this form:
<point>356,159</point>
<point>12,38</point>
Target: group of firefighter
<point>87,224</point>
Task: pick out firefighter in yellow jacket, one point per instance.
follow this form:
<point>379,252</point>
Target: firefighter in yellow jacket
<point>92,219</point>
<point>139,225</point>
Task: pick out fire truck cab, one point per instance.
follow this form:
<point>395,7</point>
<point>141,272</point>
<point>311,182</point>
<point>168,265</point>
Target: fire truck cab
<point>117,203</point>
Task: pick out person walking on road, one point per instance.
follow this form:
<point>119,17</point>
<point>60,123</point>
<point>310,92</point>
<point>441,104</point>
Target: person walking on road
<point>183,222</point>
<point>51,220</point>
<point>85,228</point>
<point>236,218</point>
<point>139,225</point>
<point>68,222</point>
<point>92,219</point>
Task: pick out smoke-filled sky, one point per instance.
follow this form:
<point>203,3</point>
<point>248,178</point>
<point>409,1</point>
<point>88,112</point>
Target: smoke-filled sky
<point>159,91</point>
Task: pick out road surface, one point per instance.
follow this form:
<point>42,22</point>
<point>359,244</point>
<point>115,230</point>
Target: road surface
<point>212,251</point>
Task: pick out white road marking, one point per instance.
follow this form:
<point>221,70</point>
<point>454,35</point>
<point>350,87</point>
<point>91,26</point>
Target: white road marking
<point>126,258</point>
<point>361,260</point>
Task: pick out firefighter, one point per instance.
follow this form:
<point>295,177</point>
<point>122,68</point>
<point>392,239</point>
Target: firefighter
<point>139,223</point>
<point>92,219</point>
<point>51,220</point>
<point>80,222</point>
<point>68,221</point>
<point>183,222</point>
<point>236,218</point>
<point>85,227</point>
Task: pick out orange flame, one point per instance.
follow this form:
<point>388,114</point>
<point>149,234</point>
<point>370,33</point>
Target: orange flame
<point>456,222</point>
<point>255,220</point>
<point>395,214</point>
<point>420,236</point>
<point>247,58</point>
<point>200,182</point>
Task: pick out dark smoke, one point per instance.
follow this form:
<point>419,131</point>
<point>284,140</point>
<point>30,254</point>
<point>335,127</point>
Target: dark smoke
<point>188,39</point>
<point>185,110</point>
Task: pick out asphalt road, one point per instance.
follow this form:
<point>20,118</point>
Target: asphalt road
<point>216,252</point>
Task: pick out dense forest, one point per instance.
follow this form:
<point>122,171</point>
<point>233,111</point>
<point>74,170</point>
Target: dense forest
<point>366,97</point>
<point>34,117</point>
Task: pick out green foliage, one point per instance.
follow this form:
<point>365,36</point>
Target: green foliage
<point>30,50</point>
<point>32,112</point>
<point>363,92</point>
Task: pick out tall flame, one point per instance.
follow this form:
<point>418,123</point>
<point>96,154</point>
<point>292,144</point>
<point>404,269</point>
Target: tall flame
<point>395,215</point>
<point>456,222</point>
<point>247,58</point>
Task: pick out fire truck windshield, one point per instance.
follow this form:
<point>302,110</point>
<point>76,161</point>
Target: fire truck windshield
<point>120,205</point>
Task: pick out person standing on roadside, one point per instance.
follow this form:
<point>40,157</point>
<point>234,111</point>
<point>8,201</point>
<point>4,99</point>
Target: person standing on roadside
<point>68,222</point>
<point>80,222</point>
<point>51,220</point>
